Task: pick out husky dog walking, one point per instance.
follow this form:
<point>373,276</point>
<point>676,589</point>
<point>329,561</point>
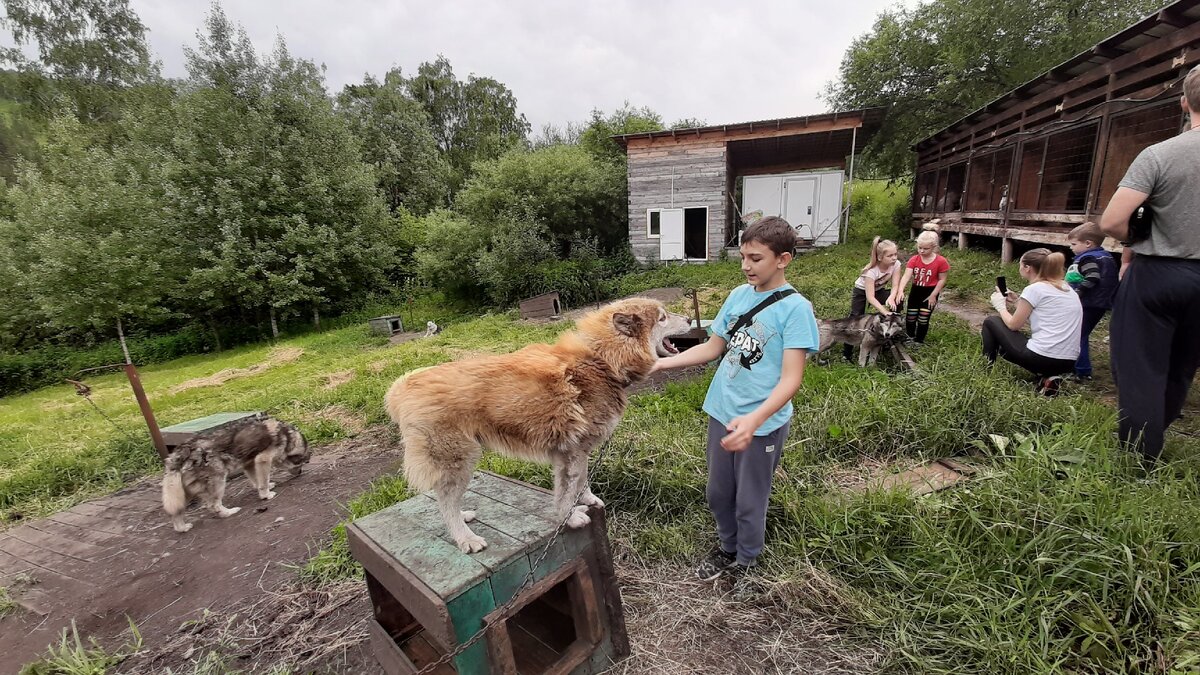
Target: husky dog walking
<point>200,466</point>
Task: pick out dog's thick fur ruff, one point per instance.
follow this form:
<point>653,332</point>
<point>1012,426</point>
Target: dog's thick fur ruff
<point>200,466</point>
<point>870,332</point>
<point>546,403</point>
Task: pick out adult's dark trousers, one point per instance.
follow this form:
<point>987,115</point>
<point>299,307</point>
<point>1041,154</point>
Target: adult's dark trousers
<point>858,307</point>
<point>1013,346</point>
<point>1155,342</point>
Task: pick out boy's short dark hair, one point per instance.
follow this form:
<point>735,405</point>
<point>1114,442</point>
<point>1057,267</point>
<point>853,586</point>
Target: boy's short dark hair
<point>1088,231</point>
<point>773,232</point>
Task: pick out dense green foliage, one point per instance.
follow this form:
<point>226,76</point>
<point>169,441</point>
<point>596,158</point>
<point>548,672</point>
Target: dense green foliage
<point>938,61</point>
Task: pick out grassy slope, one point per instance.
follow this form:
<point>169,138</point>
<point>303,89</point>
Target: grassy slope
<point>1056,556</point>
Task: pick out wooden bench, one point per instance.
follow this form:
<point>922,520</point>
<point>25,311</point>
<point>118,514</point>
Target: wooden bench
<point>429,598</point>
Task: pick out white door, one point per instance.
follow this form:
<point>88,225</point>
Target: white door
<point>670,240</point>
<point>800,205</point>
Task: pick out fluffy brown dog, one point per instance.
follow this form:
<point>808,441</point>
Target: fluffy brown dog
<point>547,403</point>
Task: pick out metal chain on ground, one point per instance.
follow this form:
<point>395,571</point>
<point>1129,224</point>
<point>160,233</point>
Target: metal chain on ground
<point>499,611</point>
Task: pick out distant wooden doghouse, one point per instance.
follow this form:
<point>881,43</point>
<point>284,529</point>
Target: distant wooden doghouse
<point>386,325</point>
<point>544,306</point>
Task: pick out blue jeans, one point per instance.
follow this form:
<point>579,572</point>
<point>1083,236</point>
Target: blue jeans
<point>1091,317</point>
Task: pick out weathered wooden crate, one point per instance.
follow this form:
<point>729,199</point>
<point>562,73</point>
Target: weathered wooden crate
<point>428,597</point>
<point>386,325</point>
<point>177,434</point>
<point>541,306</point>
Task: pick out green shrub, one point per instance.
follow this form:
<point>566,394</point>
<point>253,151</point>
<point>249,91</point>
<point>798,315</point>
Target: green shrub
<point>446,259</point>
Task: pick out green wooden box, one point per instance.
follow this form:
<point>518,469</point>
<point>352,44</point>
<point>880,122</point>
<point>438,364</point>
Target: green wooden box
<point>428,597</point>
<point>177,434</point>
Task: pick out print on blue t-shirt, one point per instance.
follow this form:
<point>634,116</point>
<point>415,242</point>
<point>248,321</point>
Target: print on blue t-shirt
<point>753,362</point>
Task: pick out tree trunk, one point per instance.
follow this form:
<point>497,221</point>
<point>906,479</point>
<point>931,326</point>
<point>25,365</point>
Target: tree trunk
<point>274,324</point>
<point>212,325</point>
<point>121,335</point>
<point>316,318</point>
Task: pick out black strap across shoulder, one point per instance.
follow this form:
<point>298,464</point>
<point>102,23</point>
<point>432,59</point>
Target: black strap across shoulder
<point>745,319</point>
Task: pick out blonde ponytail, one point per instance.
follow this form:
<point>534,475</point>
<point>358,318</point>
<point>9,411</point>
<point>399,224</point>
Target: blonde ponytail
<point>1047,266</point>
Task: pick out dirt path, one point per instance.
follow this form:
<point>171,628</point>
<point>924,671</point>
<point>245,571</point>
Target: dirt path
<point>973,315</point>
<point>117,557</point>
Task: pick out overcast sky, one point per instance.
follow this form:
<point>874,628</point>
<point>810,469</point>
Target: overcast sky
<point>722,62</point>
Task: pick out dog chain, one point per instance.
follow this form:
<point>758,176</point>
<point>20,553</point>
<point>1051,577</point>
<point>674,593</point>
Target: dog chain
<point>86,392</point>
<point>499,611</point>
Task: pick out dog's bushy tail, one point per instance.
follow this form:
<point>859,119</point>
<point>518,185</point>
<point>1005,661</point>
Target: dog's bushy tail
<point>173,495</point>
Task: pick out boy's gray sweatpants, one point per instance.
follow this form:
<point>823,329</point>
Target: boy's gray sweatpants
<point>739,487</point>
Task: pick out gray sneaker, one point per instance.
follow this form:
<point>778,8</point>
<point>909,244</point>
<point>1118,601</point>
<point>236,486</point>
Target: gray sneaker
<point>715,564</point>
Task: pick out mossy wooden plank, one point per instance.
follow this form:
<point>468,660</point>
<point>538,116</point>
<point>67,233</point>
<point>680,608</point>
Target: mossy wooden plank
<point>519,495</point>
<point>467,612</point>
<point>501,550</point>
<point>208,422</point>
<point>508,579</point>
<point>439,564</point>
<point>521,525</point>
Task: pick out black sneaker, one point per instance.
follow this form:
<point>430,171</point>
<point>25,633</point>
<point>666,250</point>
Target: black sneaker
<point>715,564</point>
<point>745,585</point>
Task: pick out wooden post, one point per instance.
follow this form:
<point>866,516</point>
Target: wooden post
<point>144,404</point>
<point>962,241</point>
<point>1006,250</point>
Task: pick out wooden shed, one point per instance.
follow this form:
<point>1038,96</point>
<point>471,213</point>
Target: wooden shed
<point>1048,155</point>
<point>686,185</point>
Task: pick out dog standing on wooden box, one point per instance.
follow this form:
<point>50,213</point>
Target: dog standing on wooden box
<point>546,403</point>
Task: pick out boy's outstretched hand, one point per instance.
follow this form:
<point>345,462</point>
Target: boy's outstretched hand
<point>742,431</point>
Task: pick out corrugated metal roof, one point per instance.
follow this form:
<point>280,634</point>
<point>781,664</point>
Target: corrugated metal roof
<point>1151,28</point>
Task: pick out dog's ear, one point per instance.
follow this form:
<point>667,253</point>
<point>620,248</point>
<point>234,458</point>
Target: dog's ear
<point>628,324</point>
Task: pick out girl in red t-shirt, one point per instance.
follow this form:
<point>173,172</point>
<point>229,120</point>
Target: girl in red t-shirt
<point>928,271</point>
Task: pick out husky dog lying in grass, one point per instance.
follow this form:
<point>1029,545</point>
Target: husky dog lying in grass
<point>870,332</point>
<point>200,466</point>
<point>547,403</point>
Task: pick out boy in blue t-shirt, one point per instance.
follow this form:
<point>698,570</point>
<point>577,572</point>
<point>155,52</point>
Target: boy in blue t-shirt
<point>749,402</point>
<point>1093,275</point>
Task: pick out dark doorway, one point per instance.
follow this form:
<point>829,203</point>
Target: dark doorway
<point>695,233</point>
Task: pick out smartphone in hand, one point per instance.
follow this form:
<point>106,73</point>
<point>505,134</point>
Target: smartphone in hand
<point>1002,284</point>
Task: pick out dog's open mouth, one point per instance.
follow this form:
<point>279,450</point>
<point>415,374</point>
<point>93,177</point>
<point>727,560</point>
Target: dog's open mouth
<point>669,347</point>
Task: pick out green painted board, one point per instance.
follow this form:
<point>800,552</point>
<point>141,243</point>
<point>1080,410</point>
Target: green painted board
<point>501,550</point>
<point>524,497</point>
<point>524,526</point>
<point>446,570</point>
<point>467,612</point>
<point>206,423</point>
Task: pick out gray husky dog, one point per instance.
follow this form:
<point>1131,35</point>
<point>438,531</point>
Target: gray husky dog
<point>871,332</point>
<point>200,466</point>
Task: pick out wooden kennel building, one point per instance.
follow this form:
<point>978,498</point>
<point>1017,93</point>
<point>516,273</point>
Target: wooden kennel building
<point>1048,155</point>
<point>686,185</point>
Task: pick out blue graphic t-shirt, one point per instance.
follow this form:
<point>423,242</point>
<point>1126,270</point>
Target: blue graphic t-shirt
<point>753,363</point>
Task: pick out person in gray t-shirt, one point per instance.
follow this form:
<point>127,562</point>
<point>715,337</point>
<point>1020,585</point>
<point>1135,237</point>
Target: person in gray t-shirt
<point>1155,331</point>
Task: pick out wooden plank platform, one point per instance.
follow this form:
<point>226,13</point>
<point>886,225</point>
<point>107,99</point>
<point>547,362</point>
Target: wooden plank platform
<point>179,433</point>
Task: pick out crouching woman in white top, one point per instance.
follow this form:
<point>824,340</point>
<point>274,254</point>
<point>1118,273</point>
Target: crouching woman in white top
<point>1055,319</point>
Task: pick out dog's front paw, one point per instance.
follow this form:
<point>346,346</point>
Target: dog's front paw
<point>184,527</point>
<point>229,512</point>
<point>472,544</point>
<point>578,518</point>
<point>271,485</point>
<point>468,516</point>
<point>589,499</point>
<point>266,495</point>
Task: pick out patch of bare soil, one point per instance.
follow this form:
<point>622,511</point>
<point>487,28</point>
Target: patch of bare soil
<point>675,625</point>
<point>118,557</point>
<point>276,357</point>
<point>973,314</point>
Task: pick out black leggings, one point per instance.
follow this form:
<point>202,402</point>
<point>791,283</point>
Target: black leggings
<point>1000,340</point>
<point>916,319</point>
<point>858,307</point>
